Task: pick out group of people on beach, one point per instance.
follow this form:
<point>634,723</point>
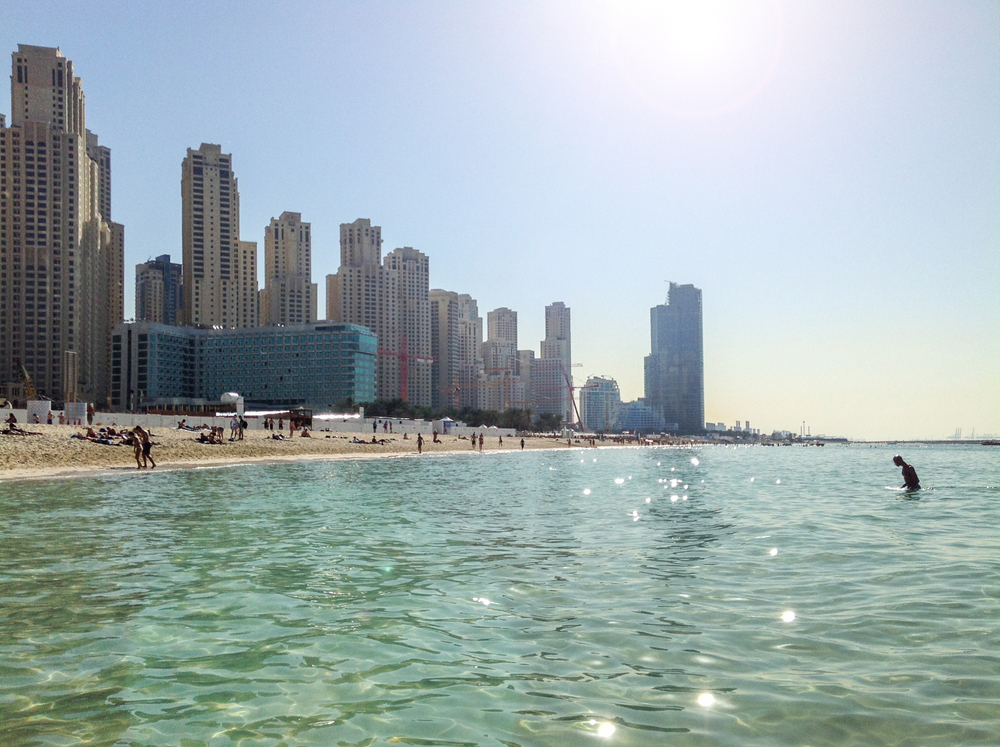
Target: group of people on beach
<point>138,438</point>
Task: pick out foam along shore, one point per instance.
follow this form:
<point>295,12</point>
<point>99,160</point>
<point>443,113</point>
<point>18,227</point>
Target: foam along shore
<point>50,450</point>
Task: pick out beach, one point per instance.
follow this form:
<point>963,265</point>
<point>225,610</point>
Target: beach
<point>54,453</point>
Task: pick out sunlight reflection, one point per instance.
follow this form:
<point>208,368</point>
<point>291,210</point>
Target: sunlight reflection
<point>774,551</point>
<point>706,700</point>
<point>694,461</point>
<point>586,491</point>
<point>788,616</point>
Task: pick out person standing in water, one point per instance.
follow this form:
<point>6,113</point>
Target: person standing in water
<point>910,479</point>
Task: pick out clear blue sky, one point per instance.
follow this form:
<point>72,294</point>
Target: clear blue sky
<point>827,172</point>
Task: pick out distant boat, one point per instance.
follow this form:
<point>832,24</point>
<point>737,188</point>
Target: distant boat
<point>990,443</point>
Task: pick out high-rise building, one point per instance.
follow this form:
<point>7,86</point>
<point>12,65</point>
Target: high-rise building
<point>456,337</point>
<point>599,404</point>
<point>444,348</point>
<point>412,270</point>
<point>247,293</point>
<point>674,370</point>
<point>392,300</point>
<point>61,257</point>
<point>502,388</point>
<point>551,375</point>
<point>158,294</point>
<point>501,325</point>
<point>289,295</point>
<point>218,290</point>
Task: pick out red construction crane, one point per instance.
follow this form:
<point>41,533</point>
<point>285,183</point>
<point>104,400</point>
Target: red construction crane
<point>404,366</point>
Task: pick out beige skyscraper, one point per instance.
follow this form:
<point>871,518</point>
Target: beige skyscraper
<point>247,293</point>
<point>456,337</point>
<point>61,257</point>
<point>391,299</point>
<point>288,296</point>
<point>412,270</point>
<point>363,292</point>
<point>219,280</point>
<point>551,375</point>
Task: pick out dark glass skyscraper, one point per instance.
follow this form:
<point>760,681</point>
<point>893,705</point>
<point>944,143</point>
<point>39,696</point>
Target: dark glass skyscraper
<point>675,370</point>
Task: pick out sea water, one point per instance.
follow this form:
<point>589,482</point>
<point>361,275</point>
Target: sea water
<point>647,596</point>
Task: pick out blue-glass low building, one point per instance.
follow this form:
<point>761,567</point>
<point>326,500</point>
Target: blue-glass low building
<point>166,368</point>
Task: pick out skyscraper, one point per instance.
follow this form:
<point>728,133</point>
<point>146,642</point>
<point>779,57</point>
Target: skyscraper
<point>289,295</point>
<point>158,291</point>
<point>444,348</point>
<point>502,389</point>
<point>674,370</point>
<point>551,375</point>
<point>412,271</point>
<point>218,289</point>
<point>392,300</point>
<point>61,257</point>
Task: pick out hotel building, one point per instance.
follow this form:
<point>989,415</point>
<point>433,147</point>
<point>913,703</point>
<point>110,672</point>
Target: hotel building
<point>159,367</point>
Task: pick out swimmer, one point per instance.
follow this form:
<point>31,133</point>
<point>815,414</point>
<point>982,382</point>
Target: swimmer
<point>910,479</point>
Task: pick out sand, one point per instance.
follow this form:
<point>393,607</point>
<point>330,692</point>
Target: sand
<point>53,453</point>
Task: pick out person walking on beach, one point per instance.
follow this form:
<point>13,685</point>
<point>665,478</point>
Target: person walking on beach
<point>480,441</point>
<point>910,479</point>
<point>147,447</point>
<point>136,446</point>
<point>420,444</point>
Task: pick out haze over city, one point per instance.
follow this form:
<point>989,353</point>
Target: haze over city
<point>827,173</point>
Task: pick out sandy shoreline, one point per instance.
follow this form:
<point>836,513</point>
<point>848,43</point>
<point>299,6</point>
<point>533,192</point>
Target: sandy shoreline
<point>53,454</point>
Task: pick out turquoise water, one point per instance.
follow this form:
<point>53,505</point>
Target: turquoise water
<point>489,599</point>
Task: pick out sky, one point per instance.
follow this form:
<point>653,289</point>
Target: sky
<point>828,173</point>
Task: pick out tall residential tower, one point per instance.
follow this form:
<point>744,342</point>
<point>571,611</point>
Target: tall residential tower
<point>390,299</point>
<point>289,295</point>
<point>220,271</point>
<point>551,375</point>
<point>61,257</point>
<point>158,291</point>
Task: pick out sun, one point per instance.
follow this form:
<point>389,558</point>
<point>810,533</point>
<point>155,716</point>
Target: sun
<point>697,58</point>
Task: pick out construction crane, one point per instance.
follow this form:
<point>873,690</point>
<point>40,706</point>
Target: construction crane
<point>26,382</point>
<point>404,366</point>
